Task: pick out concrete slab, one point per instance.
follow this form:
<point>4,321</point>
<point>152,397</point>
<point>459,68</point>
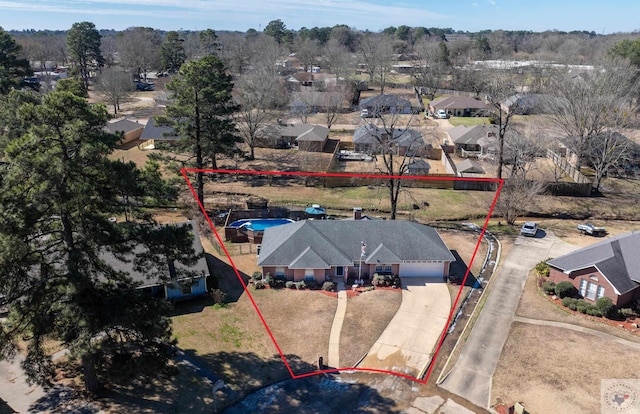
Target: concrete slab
<point>406,345</point>
<point>428,404</point>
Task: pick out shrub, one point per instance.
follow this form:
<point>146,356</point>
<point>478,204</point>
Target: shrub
<point>564,289</point>
<point>289,284</point>
<point>542,268</point>
<point>627,313</point>
<point>582,306</point>
<point>397,282</point>
<point>593,311</point>
<point>301,285</point>
<point>269,280</point>
<point>258,284</point>
<point>313,284</point>
<point>605,306</point>
<point>549,288</point>
<point>567,302</point>
<point>328,286</point>
<point>573,306</point>
<point>256,276</point>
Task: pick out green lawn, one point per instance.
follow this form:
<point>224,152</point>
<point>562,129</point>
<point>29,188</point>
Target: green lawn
<point>468,121</point>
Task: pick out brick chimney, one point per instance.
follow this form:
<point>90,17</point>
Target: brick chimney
<point>357,213</point>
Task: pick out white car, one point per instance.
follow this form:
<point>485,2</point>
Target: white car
<point>442,114</point>
<point>529,229</point>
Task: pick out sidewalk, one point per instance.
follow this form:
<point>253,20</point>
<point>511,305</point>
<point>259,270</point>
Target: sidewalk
<point>334,339</point>
<point>14,388</point>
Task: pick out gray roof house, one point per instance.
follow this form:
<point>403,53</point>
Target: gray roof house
<point>610,268</point>
<point>322,249</point>
<point>469,168</point>
<point>154,133</point>
<point>368,137</point>
<point>474,141</point>
<point>307,137</point>
<point>459,106</point>
<point>130,130</point>
<point>177,281</point>
<point>386,104</point>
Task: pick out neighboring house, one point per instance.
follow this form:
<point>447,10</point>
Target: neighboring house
<point>322,249</point>
<point>459,106</point>
<point>309,102</point>
<point>526,104</point>
<point>307,137</point>
<point>474,141</point>
<point>418,167</point>
<point>386,104</point>
<point>181,282</point>
<point>610,268</point>
<point>130,130</point>
<point>469,168</point>
<point>405,141</point>
<point>154,133</point>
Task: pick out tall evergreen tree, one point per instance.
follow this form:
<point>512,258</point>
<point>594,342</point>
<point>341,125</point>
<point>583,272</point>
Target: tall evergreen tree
<point>172,54</point>
<point>201,113</point>
<point>13,67</point>
<point>83,44</point>
<point>58,191</point>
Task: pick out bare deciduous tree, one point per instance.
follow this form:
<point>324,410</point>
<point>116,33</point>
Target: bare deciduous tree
<point>518,195</point>
<point>115,87</point>
<point>140,49</point>
<point>376,51</point>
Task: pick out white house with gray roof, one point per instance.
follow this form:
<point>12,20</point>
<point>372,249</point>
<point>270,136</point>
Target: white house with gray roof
<point>610,268</point>
<point>322,249</point>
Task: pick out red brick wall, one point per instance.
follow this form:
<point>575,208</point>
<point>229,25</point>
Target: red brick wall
<point>556,276</point>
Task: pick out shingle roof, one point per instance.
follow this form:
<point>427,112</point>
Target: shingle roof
<point>458,102</point>
<point>123,125</point>
<point>385,101</point>
<point>469,166</point>
<point>463,135</point>
<point>369,134</point>
<point>315,133</point>
<point>338,243</point>
<point>156,132</point>
<point>177,272</point>
<point>616,258</point>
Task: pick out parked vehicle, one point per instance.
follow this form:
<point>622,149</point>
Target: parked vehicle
<point>442,114</point>
<point>529,229</point>
<point>591,230</point>
<point>145,86</point>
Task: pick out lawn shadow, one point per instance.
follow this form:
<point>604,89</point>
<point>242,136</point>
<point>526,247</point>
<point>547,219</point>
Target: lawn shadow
<point>225,278</point>
<point>458,269</point>
<point>324,393</point>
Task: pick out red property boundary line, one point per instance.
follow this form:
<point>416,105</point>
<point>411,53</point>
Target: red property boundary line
<point>500,183</point>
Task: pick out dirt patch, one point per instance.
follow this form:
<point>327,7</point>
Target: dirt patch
<point>368,314</point>
<point>553,370</point>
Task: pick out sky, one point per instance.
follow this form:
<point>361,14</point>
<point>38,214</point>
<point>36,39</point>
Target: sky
<point>600,16</point>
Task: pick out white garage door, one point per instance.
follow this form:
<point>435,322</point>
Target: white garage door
<point>421,269</point>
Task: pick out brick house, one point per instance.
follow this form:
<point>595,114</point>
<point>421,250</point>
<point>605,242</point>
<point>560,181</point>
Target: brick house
<point>610,268</point>
<point>322,249</point>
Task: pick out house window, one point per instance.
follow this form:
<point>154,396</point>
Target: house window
<point>279,272</point>
<point>593,277</point>
<point>583,288</point>
<point>383,268</point>
<point>308,275</point>
<point>600,292</point>
<point>592,289</point>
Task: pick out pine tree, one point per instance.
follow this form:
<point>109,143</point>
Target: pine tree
<point>58,191</point>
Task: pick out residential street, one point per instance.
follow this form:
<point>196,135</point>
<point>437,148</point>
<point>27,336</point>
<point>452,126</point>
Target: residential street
<point>471,376</point>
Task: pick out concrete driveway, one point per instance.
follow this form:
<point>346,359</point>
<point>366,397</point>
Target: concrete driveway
<point>407,343</point>
<point>472,374</point>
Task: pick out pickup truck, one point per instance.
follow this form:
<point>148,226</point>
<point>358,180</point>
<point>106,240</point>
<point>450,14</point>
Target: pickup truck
<point>592,230</point>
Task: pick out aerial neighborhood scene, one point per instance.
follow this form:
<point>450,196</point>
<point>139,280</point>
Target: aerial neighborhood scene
<point>319,208</point>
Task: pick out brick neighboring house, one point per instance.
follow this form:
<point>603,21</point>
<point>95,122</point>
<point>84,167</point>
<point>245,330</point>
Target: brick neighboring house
<point>459,106</point>
<point>322,249</point>
<point>307,137</point>
<point>610,268</point>
<point>153,134</point>
<point>130,130</point>
<point>368,138</point>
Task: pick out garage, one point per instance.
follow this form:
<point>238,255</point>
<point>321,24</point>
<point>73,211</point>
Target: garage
<point>421,269</point>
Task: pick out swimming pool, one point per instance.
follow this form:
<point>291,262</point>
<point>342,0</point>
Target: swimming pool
<point>258,224</point>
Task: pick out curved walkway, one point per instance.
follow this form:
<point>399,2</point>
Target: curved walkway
<point>577,328</point>
<point>333,359</point>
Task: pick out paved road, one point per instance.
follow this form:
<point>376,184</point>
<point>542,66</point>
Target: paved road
<point>471,376</point>
<point>405,346</point>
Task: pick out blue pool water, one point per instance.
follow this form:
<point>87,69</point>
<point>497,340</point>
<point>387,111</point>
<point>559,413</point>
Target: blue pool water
<point>259,224</point>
